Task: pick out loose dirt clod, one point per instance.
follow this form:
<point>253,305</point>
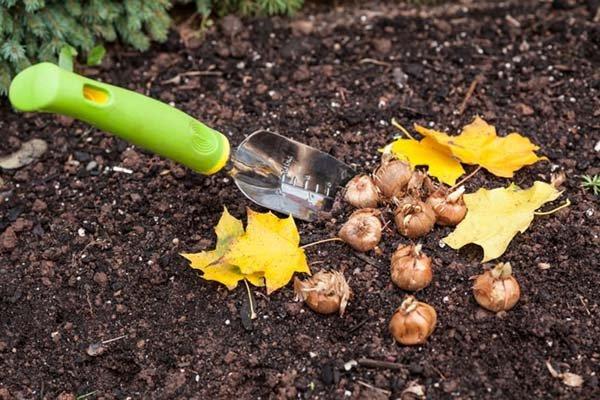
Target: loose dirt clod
<point>28,152</point>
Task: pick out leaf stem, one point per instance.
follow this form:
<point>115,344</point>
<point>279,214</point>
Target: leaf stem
<point>466,178</point>
<point>402,129</point>
<point>333,239</point>
<point>567,204</point>
<point>250,300</point>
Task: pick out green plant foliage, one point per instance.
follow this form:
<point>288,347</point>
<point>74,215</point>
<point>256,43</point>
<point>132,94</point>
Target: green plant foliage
<point>37,30</point>
<point>96,55</point>
<point>247,7</point>
<point>591,183</point>
<point>66,56</point>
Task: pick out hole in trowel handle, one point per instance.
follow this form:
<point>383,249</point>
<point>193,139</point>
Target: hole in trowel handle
<point>95,94</point>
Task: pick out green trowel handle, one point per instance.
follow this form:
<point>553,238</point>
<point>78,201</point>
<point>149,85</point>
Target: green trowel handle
<point>134,117</point>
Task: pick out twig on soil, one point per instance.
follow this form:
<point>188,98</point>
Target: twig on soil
<point>374,61</point>
<point>368,260</point>
<point>385,224</point>
<point>470,92</point>
<point>177,78</point>
<point>342,91</point>
<point>113,339</point>
<point>358,326</point>
<point>333,239</point>
<point>370,363</point>
<point>439,372</point>
<point>584,305</point>
<point>121,169</point>
<point>365,384</point>
<point>83,396</point>
<point>87,297</point>
<point>149,84</point>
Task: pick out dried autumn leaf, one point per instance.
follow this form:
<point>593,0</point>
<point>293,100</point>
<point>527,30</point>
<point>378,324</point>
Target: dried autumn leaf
<point>495,216</point>
<point>269,247</point>
<point>442,164</point>
<point>228,230</point>
<point>478,144</point>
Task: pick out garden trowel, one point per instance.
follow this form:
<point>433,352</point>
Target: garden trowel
<point>270,169</point>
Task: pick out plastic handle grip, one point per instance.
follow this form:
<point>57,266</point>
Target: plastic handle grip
<point>138,119</point>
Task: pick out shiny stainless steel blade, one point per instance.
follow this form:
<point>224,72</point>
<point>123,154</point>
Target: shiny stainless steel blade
<point>288,176</point>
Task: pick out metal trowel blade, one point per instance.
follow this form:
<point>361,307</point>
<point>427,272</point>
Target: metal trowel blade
<point>287,176</point>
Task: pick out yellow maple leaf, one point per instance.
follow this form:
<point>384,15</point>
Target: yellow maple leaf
<point>269,246</point>
<point>228,229</point>
<point>478,144</point>
<point>442,164</point>
<point>495,216</point>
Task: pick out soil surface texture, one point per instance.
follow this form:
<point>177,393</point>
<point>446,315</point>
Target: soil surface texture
<point>95,299</point>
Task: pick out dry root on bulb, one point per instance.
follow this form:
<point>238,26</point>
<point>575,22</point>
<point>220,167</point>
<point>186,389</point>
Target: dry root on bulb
<point>362,231</point>
<point>361,192</point>
<point>411,268</point>
<point>413,322</point>
<point>326,292</point>
<point>391,178</point>
<point>414,218</point>
<point>496,289</point>
<point>449,208</point>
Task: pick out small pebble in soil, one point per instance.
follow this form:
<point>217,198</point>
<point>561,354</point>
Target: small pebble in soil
<point>95,349</point>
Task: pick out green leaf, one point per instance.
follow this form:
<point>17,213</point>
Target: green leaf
<point>65,57</point>
<point>96,55</point>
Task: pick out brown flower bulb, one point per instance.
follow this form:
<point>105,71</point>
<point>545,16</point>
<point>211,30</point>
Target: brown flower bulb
<point>362,231</point>
<point>411,268</point>
<point>414,218</point>
<point>450,208</point>
<point>361,192</point>
<point>326,292</point>
<point>413,322</point>
<point>391,178</point>
<point>496,289</point>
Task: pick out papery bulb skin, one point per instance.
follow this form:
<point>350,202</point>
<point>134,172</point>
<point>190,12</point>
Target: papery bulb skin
<point>363,229</point>
<point>326,292</point>
<point>414,218</point>
<point>411,268</point>
<point>497,289</point>
<point>391,178</point>
<point>413,322</point>
<point>361,192</point>
<point>450,209</point>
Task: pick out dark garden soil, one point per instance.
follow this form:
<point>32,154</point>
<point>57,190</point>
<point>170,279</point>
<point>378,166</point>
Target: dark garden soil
<point>90,254</point>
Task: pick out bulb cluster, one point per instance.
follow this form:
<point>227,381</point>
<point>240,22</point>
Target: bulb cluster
<point>417,203</point>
